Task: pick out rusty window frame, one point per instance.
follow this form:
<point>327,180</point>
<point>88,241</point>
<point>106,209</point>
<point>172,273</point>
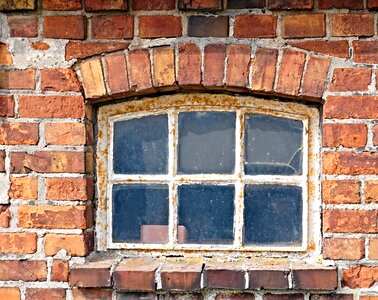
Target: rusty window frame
<point>171,105</point>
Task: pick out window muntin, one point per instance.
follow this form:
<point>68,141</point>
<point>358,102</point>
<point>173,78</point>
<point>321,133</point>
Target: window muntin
<point>241,107</point>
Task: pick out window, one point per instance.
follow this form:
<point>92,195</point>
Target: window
<point>207,172</point>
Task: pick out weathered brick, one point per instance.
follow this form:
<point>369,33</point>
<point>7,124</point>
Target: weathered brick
<point>341,192</point>
<point>346,135</point>
<point>360,277</point>
<point>5,55</point>
<point>208,26</point>
<point>154,5</point>
<point>214,65</point>
<point>283,297</point>
<point>19,133</point>
<point>372,4</point>
<point>18,242</point>
<point>116,73</point>
<point>59,80</point>
<point>87,49</point>
<point>351,107</point>
<point>238,65</point>
<point>25,188</point>
<point>290,73</point>
<point>373,249</point>
<point>45,294</point>
<point>94,274</point>
<point>93,293</point>
<point>171,296</point>
<point>315,279</point>
<point>343,248</point>
<point>349,163</point>
<point>164,67</point>
<point>93,78</point>
<point>340,4</point>
<point>345,25</point>
<point>332,297</point>
<point>65,27</point>
<point>332,48</point>
<point>200,4</point>
<point>18,5</point>
<point>51,106</point>
<point>224,278</point>
<point>181,276</point>
<point>255,26</point>
<point>234,296</point>
<point>365,52</point>
<point>371,191</point>
<point>315,77</point>
<point>268,279</point>
<point>48,162</point>
<point>189,64</point>
<point>17,79</point>
<point>24,270</point>
<point>139,67</point>
<point>59,270</point>
<point>6,106</point>
<point>74,245</point>
<point>2,161</point>
<point>113,27</point>
<point>5,216</point>
<point>350,79</point>
<point>159,26</point>
<point>368,298</point>
<point>245,4</point>
<point>10,293</point>
<point>65,134</point>
<point>375,135</point>
<point>304,25</point>
<point>54,217</point>
<point>291,4</point>
<point>61,5</point>
<point>350,221</point>
<point>23,26</point>
<point>40,46</point>
<point>95,5</point>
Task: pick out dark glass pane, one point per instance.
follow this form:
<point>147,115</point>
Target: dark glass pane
<point>272,214</point>
<point>206,213</point>
<point>140,213</point>
<point>273,145</point>
<point>141,145</point>
<point>206,142</point>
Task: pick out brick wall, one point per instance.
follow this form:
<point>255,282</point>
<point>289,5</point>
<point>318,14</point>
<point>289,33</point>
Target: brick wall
<point>59,58</point>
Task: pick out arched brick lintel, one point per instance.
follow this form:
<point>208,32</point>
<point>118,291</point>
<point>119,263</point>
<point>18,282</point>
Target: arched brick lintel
<point>236,67</point>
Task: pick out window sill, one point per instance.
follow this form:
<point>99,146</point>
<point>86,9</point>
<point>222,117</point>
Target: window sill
<point>185,275</point>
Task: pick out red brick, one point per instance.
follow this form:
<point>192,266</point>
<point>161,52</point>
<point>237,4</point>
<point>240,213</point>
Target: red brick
<point>373,249</point>
<point>346,25</point>
<point>53,217</point>
<point>48,162</point>
<point>92,77</point>
<point>74,245</point>
<point>291,4</point>
<point>255,26</point>
<point>40,46</point>
<point>372,4</point>
<point>6,106</point>
<point>5,55</point>
<point>23,26</point>
<point>45,294</point>
<point>139,67</point>
<point>365,52</point>
<point>343,248</point>
<point>290,73</point>
<point>371,191</point>
<point>51,106</point>
<point>375,133</point>
<point>113,27</point>
<point>208,26</point>
<point>154,5</point>
<point>346,135</point>
<point>304,25</point>
<point>351,107</point>
<point>2,161</point>
<point>268,279</point>
<point>315,77</point>
<point>10,293</point>
<point>159,26</point>
<point>94,274</point>
<point>65,27</point>
<point>5,216</point>
<point>24,270</point>
<point>332,48</point>
<point>116,73</point>
<point>360,277</point>
<point>217,277</point>
<point>200,4</point>
<point>215,57</point>
<point>181,276</point>
<point>85,294</point>
<point>368,298</point>
<point>350,79</point>
<point>17,79</point>
<point>95,5</point>
<point>65,134</point>
<point>189,64</point>
<point>87,49</point>
<point>350,221</point>
<point>61,5</point>
<point>340,4</point>
<point>245,4</point>
<point>18,242</point>
<point>59,270</point>
<point>18,133</point>
<point>283,297</point>
<point>59,80</point>
<point>25,188</point>
<point>164,67</point>
<point>332,297</point>
<point>315,279</point>
<point>238,65</point>
<point>341,192</point>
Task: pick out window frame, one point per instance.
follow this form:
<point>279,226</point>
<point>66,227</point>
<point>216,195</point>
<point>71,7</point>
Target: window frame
<point>241,105</point>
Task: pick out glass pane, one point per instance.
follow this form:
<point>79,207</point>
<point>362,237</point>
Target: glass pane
<point>141,145</point>
<point>206,142</point>
<point>206,213</point>
<point>140,213</point>
<point>273,145</point>
<point>272,214</point>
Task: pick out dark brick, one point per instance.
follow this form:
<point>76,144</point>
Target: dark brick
<point>181,276</point>
<point>200,4</point>
<point>153,4</point>
<point>315,279</point>
<point>245,3</point>
<point>96,5</point>
<point>283,297</point>
<point>339,4</point>
<point>244,296</point>
<point>332,297</point>
<point>290,4</point>
<point>203,26</point>
<point>224,278</point>
<point>268,279</point>
<point>136,296</point>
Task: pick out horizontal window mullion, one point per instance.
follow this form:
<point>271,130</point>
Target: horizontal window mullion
<point>139,179</point>
<point>273,179</point>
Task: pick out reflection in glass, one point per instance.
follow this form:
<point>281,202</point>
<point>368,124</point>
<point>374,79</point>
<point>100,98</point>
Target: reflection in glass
<point>273,145</point>
<point>140,213</point>
<point>141,145</point>
<point>206,142</point>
